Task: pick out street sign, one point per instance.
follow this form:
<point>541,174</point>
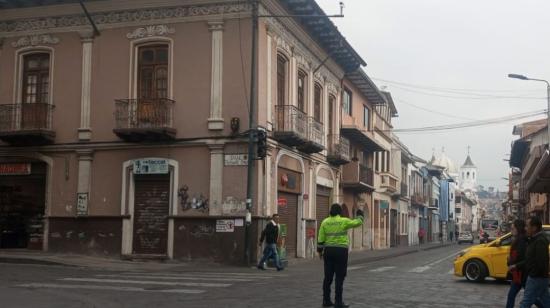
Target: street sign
<point>235,159</point>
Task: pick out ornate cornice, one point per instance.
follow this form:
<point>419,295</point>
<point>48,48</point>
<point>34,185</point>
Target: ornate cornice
<point>34,40</point>
<point>157,30</point>
<point>121,17</point>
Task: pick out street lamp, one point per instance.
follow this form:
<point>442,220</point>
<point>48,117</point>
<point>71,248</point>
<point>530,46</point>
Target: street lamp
<point>522,77</point>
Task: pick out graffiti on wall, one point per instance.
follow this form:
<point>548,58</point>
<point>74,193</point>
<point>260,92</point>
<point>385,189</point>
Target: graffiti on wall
<point>234,207</point>
<point>197,202</point>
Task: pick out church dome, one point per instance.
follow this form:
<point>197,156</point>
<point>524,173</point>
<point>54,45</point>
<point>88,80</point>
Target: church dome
<point>445,162</point>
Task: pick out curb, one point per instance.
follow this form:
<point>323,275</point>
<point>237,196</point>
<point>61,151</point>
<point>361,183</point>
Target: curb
<point>31,261</point>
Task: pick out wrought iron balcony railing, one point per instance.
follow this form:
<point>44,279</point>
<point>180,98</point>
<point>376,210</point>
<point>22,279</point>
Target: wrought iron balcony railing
<point>26,123</point>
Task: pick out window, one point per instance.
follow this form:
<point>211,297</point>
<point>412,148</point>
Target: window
<point>331,102</point>
<point>467,175</point>
<point>153,72</point>
<point>36,78</point>
<point>317,102</point>
<point>302,78</point>
<point>281,80</point>
<point>366,117</point>
<point>346,101</point>
<point>458,210</point>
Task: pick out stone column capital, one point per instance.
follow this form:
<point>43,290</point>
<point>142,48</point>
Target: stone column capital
<point>216,148</point>
<point>86,36</point>
<point>216,25</point>
<point>85,154</point>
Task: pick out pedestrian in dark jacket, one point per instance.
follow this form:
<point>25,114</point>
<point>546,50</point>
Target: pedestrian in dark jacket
<point>517,255</point>
<point>271,235</point>
<point>535,266</point>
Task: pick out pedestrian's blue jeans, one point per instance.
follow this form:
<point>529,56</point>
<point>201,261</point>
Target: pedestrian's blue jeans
<point>270,251</point>
<point>536,289</point>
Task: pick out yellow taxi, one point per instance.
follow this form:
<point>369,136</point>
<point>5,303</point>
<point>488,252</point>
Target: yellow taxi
<point>487,260</point>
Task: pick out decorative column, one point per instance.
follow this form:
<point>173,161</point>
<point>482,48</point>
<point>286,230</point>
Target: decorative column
<point>85,132</point>
<point>85,158</point>
<point>215,122</point>
<point>216,179</point>
<point>269,83</point>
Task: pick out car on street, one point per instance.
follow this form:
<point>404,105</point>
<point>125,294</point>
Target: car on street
<point>487,260</point>
<point>465,237</point>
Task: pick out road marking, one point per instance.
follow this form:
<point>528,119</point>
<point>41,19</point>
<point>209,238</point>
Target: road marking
<point>352,268</point>
<point>162,283</point>
<point>382,269</point>
<point>110,288</point>
<point>419,269</point>
<point>442,259</point>
<point>207,275</point>
<point>178,278</point>
<point>451,272</point>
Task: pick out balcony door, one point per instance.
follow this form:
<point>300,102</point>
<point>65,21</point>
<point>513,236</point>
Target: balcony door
<point>35,91</point>
<point>152,85</point>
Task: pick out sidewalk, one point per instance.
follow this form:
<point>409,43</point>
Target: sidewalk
<point>106,263</point>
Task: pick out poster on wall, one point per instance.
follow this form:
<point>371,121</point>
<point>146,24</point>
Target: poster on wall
<point>151,166</point>
<point>82,204</point>
<point>225,225</point>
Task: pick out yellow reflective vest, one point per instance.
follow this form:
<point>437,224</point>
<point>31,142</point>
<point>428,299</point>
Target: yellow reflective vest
<point>334,231</point>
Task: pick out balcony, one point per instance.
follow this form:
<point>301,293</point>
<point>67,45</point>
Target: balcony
<point>388,181</point>
<point>338,150</point>
<point>358,178</point>
<point>359,135</point>
<point>315,137</point>
<point>418,200</point>
<point>144,119</point>
<point>290,125</point>
<point>26,124</point>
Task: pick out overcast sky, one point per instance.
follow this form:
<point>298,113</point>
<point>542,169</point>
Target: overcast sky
<point>432,47</point>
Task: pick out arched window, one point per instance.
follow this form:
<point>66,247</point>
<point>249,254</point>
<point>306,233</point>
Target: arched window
<point>282,64</point>
<point>317,102</point>
<point>36,78</point>
<point>153,71</point>
<point>474,175</point>
<point>302,90</point>
<point>468,174</point>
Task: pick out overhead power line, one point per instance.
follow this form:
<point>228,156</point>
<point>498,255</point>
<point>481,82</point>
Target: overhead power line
<point>472,123</point>
<point>470,96</point>
<point>453,90</point>
<point>434,111</point>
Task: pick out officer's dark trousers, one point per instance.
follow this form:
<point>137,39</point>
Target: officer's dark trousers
<point>336,263</point>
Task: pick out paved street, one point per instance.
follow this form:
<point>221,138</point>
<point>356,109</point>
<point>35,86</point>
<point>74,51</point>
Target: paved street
<point>422,279</point>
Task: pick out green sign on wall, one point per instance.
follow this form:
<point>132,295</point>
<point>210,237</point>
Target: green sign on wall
<point>384,205</point>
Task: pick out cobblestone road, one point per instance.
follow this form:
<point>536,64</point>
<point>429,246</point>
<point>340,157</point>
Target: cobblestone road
<point>422,279</point>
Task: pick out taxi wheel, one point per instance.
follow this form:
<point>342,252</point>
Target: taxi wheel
<point>475,270</point>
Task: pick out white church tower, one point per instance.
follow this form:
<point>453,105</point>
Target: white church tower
<point>468,174</point>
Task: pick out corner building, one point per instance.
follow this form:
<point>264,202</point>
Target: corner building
<point>133,143</point>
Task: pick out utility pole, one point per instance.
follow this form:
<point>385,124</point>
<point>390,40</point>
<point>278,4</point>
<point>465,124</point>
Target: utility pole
<point>251,131</point>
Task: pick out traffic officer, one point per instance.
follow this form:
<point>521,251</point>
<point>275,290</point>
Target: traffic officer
<point>332,246</point>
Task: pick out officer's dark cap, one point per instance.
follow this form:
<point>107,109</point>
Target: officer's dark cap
<point>335,209</point>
